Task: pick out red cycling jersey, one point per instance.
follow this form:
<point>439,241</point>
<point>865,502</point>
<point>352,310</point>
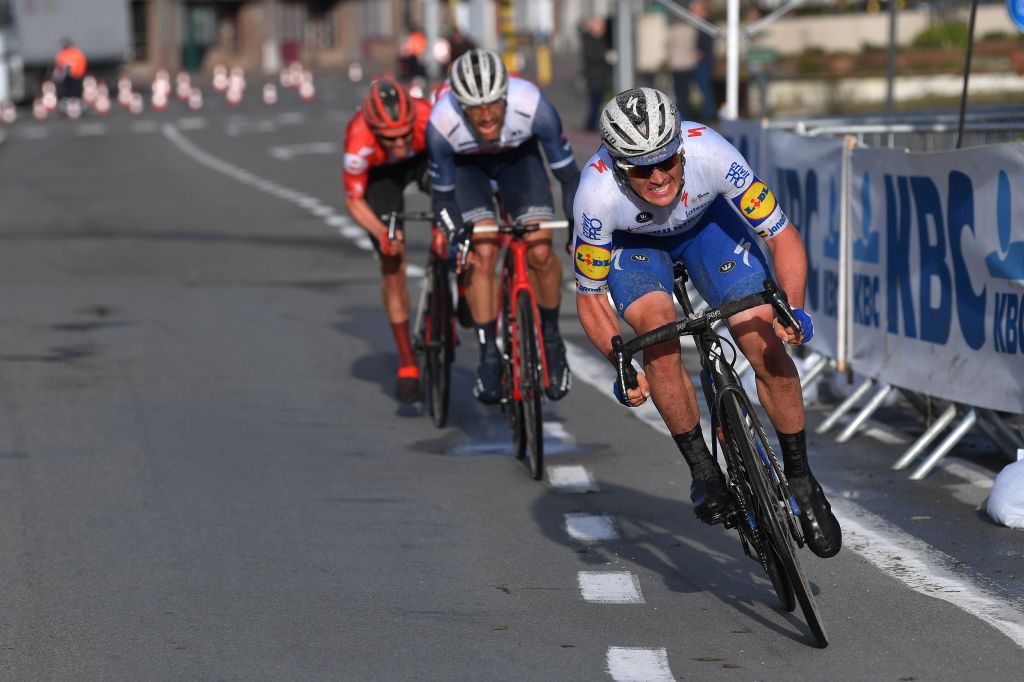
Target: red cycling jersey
<point>363,151</point>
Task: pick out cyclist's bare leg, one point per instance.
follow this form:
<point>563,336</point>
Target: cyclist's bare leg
<point>545,269</point>
<point>481,286</point>
<point>778,383</point>
<point>671,389</point>
<point>392,285</point>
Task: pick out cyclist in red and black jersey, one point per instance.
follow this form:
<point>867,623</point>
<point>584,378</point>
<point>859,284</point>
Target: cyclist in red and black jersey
<point>385,150</point>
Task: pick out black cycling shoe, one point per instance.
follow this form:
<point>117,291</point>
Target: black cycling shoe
<point>559,375</point>
<point>487,388</point>
<point>712,502</point>
<point>821,529</point>
<point>408,390</point>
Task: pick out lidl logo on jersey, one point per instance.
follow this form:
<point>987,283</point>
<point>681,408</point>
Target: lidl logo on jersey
<point>757,203</point>
<point>592,261</point>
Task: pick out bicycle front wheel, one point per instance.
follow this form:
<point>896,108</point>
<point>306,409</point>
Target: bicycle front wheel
<point>769,507</point>
<point>531,384</point>
<point>440,341</point>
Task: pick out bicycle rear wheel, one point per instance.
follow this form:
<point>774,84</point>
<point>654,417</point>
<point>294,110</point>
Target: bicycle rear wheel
<point>439,339</point>
<point>512,407</point>
<point>531,384</point>
<point>768,508</point>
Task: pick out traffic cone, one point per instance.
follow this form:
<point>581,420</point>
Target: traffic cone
<point>102,105</point>
<point>184,86</point>
<point>195,99</point>
<point>8,114</point>
<point>39,110</point>
<point>269,94</point>
<point>220,78</point>
<point>137,104</point>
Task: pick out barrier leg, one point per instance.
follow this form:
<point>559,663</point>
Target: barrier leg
<point>930,434</point>
<point>1012,436</point>
<point>845,406</point>
<point>815,372</point>
<point>954,437</point>
<point>987,423</point>
<point>869,409</point>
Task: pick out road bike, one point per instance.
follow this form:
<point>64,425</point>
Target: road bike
<point>434,325</point>
<point>524,363</point>
<point>765,511</point>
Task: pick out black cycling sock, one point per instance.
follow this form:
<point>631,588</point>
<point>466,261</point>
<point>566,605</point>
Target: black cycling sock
<point>548,321</point>
<point>794,453</point>
<point>695,451</point>
<point>486,334</point>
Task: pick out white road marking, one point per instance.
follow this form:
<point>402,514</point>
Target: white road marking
<point>34,132</point>
<point>972,473</point>
<point>557,438</point>
<point>922,568</point>
<point>291,118</point>
<point>145,126</point>
<point>915,563</point>
<point>191,123</point>
<point>306,202</point>
<point>91,129</point>
<point>628,664</point>
<point>571,478</point>
<point>610,587</point>
<point>591,527</point>
<point>242,127</point>
<point>290,151</point>
<point>414,271</point>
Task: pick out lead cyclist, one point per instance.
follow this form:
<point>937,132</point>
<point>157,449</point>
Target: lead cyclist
<point>659,191</point>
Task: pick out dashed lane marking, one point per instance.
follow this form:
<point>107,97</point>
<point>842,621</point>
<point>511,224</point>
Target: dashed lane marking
<point>145,126</point>
<point>610,587</point>
<point>34,133</point>
<point>571,478</point>
<point>91,129</point>
<point>628,664</point>
<point>192,123</point>
<point>591,527</point>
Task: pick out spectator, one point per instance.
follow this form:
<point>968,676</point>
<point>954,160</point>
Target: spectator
<point>705,64</point>
<point>682,62</point>
<point>460,44</point>
<point>597,71</point>
<point>68,71</point>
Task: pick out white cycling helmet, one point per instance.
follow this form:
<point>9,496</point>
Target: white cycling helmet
<point>641,127</point>
<point>478,77</point>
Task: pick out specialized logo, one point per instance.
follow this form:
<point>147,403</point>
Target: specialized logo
<point>357,164</point>
<point>644,217</point>
<point>631,105</point>
<point>591,227</point>
<point>684,199</point>
<point>640,258</point>
<point>726,266</point>
<point>600,166</point>
<point>757,203</point>
<point>593,261</point>
<point>737,174</point>
<point>696,132</point>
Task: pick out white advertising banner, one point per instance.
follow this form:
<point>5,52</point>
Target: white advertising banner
<point>937,249</point>
<point>805,174</point>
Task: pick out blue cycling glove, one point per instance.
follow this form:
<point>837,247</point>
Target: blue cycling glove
<point>620,394</point>
<point>804,318</point>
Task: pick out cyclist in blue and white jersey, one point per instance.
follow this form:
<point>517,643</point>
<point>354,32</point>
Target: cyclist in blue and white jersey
<point>488,127</point>
<point>661,190</point>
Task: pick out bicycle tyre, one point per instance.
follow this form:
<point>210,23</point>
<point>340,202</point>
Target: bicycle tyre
<point>440,348</point>
<point>531,385</point>
<point>512,407</point>
<point>767,501</point>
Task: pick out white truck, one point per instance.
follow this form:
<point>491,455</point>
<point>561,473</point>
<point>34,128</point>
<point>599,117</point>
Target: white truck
<point>31,33</point>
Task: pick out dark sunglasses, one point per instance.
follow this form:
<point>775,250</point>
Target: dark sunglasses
<point>645,172</point>
<point>393,139</point>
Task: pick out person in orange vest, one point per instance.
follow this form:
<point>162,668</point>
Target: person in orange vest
<point>68,70</point>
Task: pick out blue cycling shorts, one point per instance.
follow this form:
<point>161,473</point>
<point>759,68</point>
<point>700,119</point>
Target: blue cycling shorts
<point>521,179</point>
<point>722,256</point>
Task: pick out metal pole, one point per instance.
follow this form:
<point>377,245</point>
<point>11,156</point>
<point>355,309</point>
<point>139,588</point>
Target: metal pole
<point>732,62</point>
<point>845,406</point>
<point>842,314</point>
<point>967,73</point>
<point>1000,425</point>
<point>431,28</point>
<point>807,380</point>
<point>890,68</point>
<point>624,70</point>
<point>954,437</point>
<point>996,437</point>
<point>930,434</point>
<point>862,416</point>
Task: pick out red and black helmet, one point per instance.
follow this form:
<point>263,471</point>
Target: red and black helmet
<point>389,108</point>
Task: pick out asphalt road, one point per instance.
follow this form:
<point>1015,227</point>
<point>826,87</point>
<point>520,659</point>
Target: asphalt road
<point>204,474</point>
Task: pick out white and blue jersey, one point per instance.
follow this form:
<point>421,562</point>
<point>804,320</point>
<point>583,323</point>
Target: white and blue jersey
<point>530,118</point>
<point>722,205</point>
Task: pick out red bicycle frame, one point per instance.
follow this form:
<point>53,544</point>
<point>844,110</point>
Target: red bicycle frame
<point>516,282</point>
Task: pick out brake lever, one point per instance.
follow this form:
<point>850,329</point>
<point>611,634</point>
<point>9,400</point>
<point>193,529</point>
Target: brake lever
<point>391,225</point>
<point>627,375</point>
<point>783,311</point>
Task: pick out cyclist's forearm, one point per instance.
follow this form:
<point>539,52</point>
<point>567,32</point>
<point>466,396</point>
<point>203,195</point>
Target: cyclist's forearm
<point>599,321</point>
<point>363,214</point>
<point>790,260</point>
<point>569,178</point>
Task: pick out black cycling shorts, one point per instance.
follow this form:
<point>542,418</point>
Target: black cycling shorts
<point>385,184</point>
